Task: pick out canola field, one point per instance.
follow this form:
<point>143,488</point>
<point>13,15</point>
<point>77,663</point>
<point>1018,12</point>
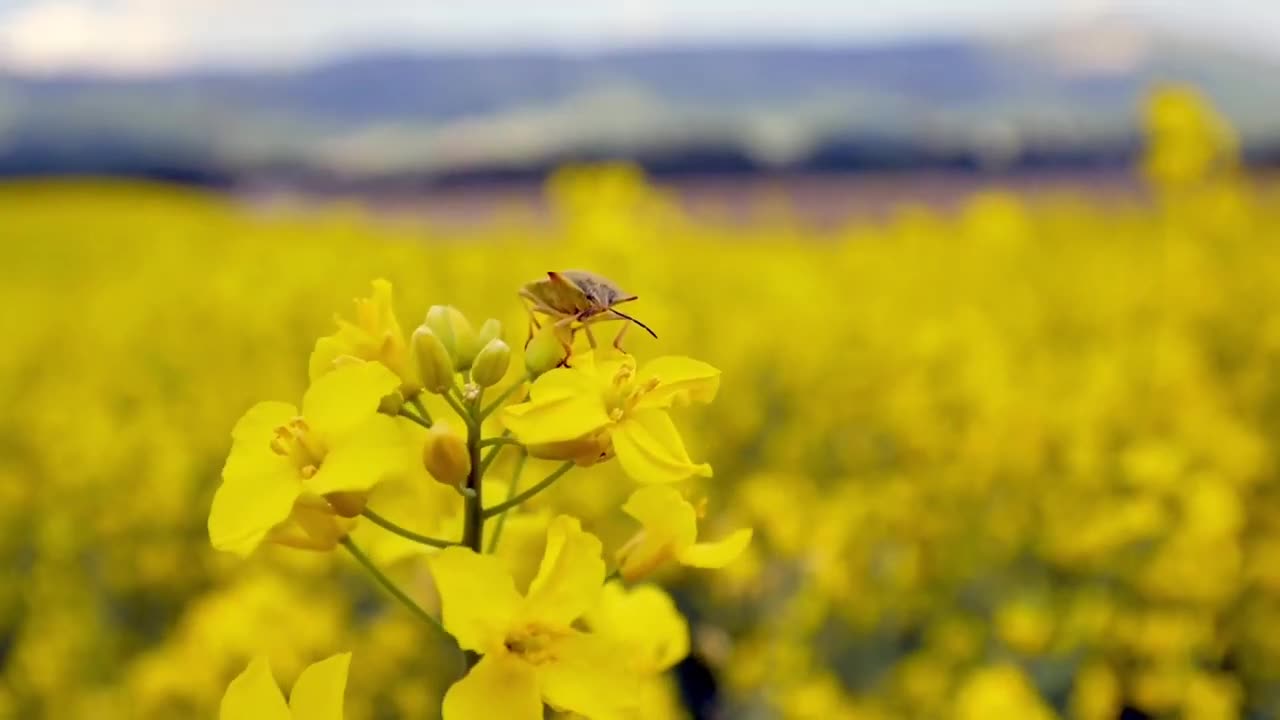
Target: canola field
<point>1017,461</point>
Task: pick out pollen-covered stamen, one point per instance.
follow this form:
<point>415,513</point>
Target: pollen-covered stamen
<point>533,644</point>
<point>623,377</point>
<point>637,392</point>
<point>624,393</point>
<point>296,441</point>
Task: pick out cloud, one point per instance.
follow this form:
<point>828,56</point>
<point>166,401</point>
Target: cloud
<point>141,36</point>
<point>128,36</point>
<point>122,36</point>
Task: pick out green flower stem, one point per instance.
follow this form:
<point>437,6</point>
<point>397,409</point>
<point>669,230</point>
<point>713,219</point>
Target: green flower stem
<point>497,402</point>
<point>392,588</point>
<point>518,499</point>
<point>500,440</point>
<point>511,492</point>
<point>422,409</point>
<point>457,407</point>
<point>493,453</point>
<point>473,517</point>
<point>473,507</point>
<point>386,524</point>
<point>414,418</point>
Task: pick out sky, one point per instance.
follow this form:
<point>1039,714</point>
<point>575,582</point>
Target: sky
<point>147,36</point>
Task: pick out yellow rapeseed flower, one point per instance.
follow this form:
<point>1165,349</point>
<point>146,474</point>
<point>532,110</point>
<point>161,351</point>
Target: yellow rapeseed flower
<point>296,479</point>
<point>643,620</point>
<point>670,532</point>
<point>531,651</point>
<point>602,406</point>
<point>317,694</point>
<point>375,336</point>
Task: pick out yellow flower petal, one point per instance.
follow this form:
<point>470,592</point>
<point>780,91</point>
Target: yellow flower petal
<point>587,677</point>
<point>524,542</point>
<point>716,554</point>
<point>248,505</point>
<point>665,514</point>
<point>670,524</point>
<point>253,695</point>
<point>251,452</point>
<point>327,350</point>
<point>584,451</point>
<point>312,525</point>
<point>346,397</point>
<point>377,313</point>
<point>261,420</point>
<point>374,336</point>
<point>643,620</point>
<point>681,381</point>
<point>569,580</point>
<point>372,452</point>
<point>499,686</point>
<point>317,694</point>
<point>577,380</point>
<point>649,448</point>
<point>558,417</point>
<point>478,598</point>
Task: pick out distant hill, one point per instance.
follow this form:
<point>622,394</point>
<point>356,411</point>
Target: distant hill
<point>1067,97</point>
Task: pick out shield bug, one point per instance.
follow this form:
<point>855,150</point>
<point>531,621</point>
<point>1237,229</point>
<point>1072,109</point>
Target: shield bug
<point>577,296</point>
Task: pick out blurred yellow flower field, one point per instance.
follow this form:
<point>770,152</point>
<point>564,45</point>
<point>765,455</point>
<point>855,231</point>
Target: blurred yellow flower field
<point>1013,461</point>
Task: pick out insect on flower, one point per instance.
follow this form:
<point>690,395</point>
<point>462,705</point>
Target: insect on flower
<point>577,296</point>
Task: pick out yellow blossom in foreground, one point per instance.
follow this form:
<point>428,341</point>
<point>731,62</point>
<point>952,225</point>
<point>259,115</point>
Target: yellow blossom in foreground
<point>374,336</point>
<point>643,620</point>
<point>297,479</point>
<point>670,532</point>
<point>317,694</point>
<point>603,406</point>
<point>531,651</point>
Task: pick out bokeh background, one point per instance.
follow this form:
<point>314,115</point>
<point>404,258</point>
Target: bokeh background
<point>993,288</point>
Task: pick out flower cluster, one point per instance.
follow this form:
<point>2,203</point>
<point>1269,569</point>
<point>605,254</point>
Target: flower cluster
<point>1014,459</point>
<point>371,443</point>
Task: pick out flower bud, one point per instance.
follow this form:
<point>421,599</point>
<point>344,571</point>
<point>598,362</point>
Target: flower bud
<point>545,351</point>
<point>347,504</point>
<point>391,404</point>
<point>488,331</point>
<point>491,363</point>
<point>446,457</point>
<point>435,368</point>
<point>455,331</point>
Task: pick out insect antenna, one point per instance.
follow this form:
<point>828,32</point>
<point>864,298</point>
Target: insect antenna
<point>628,317</point>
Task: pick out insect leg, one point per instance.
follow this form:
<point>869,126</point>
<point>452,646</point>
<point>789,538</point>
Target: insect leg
<point>617,340</point>
<point>564,333</point>
<point>534,325</point>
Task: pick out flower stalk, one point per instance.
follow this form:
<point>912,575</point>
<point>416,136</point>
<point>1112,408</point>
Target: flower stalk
<point>511,492</point>
<point>519,499</point>
<point>415,419</point>
<point>407,534</point>
<point>392,588</point>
